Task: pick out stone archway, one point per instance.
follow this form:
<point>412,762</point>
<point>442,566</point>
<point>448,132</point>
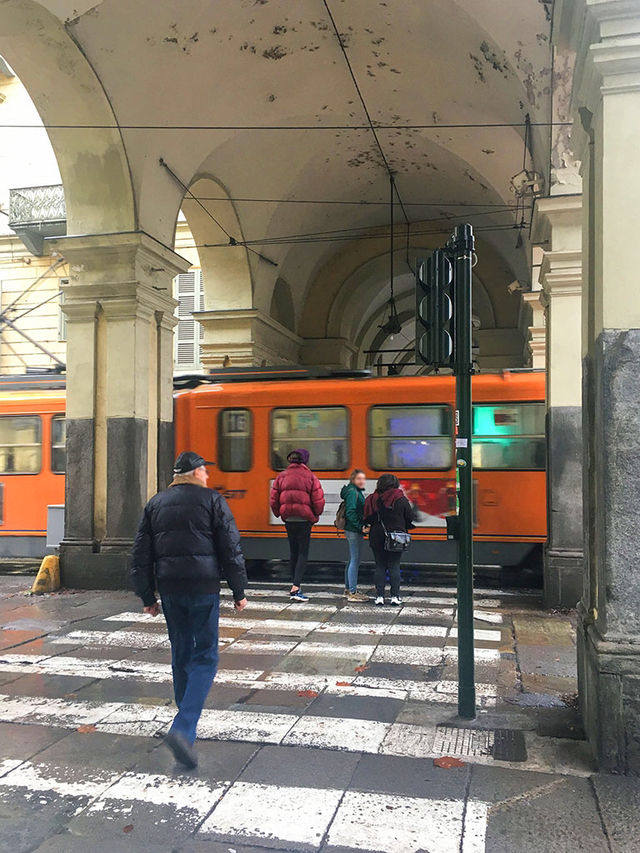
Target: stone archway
<point>282,309</point>
<point>66,91</point>
<point>348,301</point>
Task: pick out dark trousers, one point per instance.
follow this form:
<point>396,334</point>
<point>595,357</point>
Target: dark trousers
<point>192,622</point>
<point>299,536</point>
<point>387,562</point>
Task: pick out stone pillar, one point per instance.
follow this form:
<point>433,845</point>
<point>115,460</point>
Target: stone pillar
<point>248,337</point>
<point>606,37</point>
<point>536,333</point>
<point>120,316</point>
<point>557,226</point>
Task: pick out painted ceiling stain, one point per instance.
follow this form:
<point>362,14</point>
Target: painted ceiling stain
<point>276,52</point>
<point>492,58</point>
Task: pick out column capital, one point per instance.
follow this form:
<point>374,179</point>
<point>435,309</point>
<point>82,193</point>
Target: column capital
<point>561,274</point>
<point>105,258</point>
<point>556,216</point>
<point>128,274</point>
<point>605,35</point>
<point>247,336</point>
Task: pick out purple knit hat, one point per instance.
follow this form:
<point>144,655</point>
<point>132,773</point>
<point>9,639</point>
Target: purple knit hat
<point>299,455</point>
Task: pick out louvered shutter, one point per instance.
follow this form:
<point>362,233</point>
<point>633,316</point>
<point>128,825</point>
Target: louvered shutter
<point>190,295</point>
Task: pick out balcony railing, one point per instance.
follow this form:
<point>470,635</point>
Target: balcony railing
<point>36,206</point>
<point>36,213</point>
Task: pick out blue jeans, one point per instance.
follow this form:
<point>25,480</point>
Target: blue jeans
<point>351,572</point>
<point>192,621</point>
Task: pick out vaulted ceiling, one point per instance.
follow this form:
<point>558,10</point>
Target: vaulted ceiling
<point>264,98</point>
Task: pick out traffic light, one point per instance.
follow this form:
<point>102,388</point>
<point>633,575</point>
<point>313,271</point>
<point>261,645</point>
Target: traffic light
<point>434,311</point>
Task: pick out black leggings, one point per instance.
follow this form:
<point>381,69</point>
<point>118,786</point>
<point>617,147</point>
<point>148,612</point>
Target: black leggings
<point>387,561</point>
<point>299,536</point>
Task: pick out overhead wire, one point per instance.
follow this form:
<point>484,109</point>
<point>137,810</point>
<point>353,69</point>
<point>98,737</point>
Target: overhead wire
<point>357,203</point>
<point>232,239</point>
<point>287,127</point>
<point>342,237</point>
<point>356,230</point>
<point>370,121</point>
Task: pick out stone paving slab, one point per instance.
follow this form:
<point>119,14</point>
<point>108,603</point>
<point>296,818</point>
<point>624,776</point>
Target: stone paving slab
<point>556,661</point>
<point>619,802</point>
<point>356,760</point>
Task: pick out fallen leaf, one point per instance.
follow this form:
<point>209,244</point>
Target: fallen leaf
<point>447,762</point>
<point>128,828</point>
<point>360,668</point>
<point>311,694</point>
<point>86,729</point>
<point>343,684</point>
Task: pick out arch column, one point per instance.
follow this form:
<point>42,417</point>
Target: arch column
<point>557,225</point>
<point>120,318</point>
<point>606,37</point>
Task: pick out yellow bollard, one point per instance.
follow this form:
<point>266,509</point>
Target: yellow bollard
<point>48,577</point>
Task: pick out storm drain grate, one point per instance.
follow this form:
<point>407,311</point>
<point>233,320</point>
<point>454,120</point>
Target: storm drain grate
<point>452,741</point>
<point>509,745</point>
<point>500,744</point>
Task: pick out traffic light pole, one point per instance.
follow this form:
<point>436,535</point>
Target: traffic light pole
<point>461,248</point>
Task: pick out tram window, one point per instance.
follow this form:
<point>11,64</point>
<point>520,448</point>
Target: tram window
<point>405,438</point>
<point>58,444</point>
<point>20,444</point>
<point>234,443</point>
<point>509,436</point>
<point>323,431</point>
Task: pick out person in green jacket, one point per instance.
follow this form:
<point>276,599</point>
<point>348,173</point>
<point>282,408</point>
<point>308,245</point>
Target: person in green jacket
<point>353,496</point>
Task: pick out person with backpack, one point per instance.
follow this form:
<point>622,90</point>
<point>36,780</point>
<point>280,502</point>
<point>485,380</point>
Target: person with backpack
<point>298,499</point>
<point>350,518</point>
<point>390,516</point>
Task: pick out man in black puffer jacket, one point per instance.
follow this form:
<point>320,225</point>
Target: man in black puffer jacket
<point>186,542</point>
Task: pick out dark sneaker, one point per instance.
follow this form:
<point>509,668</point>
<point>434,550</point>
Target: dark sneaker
<point>182,750</point>
<point>298,596</point>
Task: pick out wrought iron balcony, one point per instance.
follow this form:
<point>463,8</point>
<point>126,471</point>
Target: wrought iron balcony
<point>36,213</point>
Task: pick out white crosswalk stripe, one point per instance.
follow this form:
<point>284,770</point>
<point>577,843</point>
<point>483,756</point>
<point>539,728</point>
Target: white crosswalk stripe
<point>147,720</point>
<point>243,812</point>
<point>338,683</point>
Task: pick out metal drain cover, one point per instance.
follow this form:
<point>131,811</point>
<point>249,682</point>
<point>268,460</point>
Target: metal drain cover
<point>453,741</point>
<point>509,745</point>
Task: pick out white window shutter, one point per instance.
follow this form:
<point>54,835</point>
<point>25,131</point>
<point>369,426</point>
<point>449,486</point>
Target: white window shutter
<point>189,292</point>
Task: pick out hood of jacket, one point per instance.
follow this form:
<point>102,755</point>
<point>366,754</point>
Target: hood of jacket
<point>387,499</point>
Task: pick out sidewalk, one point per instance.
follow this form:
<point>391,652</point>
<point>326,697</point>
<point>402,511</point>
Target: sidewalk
<point>320,734</point>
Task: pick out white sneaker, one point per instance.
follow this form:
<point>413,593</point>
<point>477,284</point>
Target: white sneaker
<point>379,602</point>
<point>396,601</point>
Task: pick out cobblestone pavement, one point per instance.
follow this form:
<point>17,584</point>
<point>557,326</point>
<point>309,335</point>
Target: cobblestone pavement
<point>320,733</point>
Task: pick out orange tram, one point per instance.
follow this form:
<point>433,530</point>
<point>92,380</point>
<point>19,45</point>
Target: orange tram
<point>247,421</point>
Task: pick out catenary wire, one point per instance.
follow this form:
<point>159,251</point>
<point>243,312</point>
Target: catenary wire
<point>372,126</point>
<point>339,238</point>
<point>286,127</point>
<point>361,203</point>
<point>232,240</point>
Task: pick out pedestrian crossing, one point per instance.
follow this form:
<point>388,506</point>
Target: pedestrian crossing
<point>240,811</point>
<point>345,683</point>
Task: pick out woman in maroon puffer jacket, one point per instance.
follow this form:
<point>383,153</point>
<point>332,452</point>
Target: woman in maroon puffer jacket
<point>297,498</point>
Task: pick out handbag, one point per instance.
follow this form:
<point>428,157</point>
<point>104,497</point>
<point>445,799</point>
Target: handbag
<point>395,541</point>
